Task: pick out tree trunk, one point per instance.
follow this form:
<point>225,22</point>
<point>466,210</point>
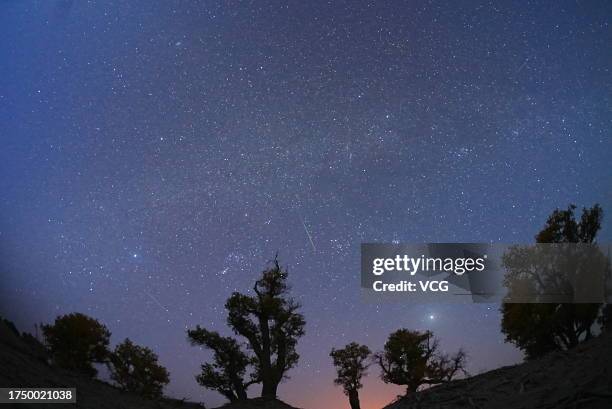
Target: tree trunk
<point>411,389</point>
<point>241,394</point>
<point>268,389</point>
<point>353,395</point>
<point>230,395</point>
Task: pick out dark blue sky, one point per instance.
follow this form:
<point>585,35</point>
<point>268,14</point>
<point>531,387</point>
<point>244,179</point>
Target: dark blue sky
<point>156,154</point>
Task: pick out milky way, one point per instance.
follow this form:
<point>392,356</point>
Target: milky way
<point>155,155</point>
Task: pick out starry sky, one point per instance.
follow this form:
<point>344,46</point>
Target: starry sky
<point>156,154</point>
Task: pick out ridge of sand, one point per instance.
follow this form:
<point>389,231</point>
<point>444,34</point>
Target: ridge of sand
<point>579,378</point>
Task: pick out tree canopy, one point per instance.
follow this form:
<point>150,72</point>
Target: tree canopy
<point>351,363</point>
<point>76,341</point>
<point>538,328</point>
<point>413,359</point>
<point>226,373</point>
<point>270,322</point>
<point>135,369</point>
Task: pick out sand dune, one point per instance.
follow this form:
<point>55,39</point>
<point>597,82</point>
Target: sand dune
<point>580,378</point>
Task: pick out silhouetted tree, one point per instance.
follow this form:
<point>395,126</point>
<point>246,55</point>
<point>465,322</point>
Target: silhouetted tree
<point>135,369</point>
<point>538,328</point>
<point>10,325</point>
<point>226,374</point>
<point>76,341</point>
<point>271,323</point>
<point>351,364</point>
<point>413,359</point>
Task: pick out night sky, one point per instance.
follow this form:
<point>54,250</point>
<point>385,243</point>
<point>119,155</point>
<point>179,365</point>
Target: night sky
<point>156,154</point>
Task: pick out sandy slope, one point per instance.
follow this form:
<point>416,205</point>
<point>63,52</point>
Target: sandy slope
<point>23,364</point>
<point>581,378</point>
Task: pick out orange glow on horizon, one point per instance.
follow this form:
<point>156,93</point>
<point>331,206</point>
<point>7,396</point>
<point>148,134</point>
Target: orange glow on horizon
<point>374,395</point>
